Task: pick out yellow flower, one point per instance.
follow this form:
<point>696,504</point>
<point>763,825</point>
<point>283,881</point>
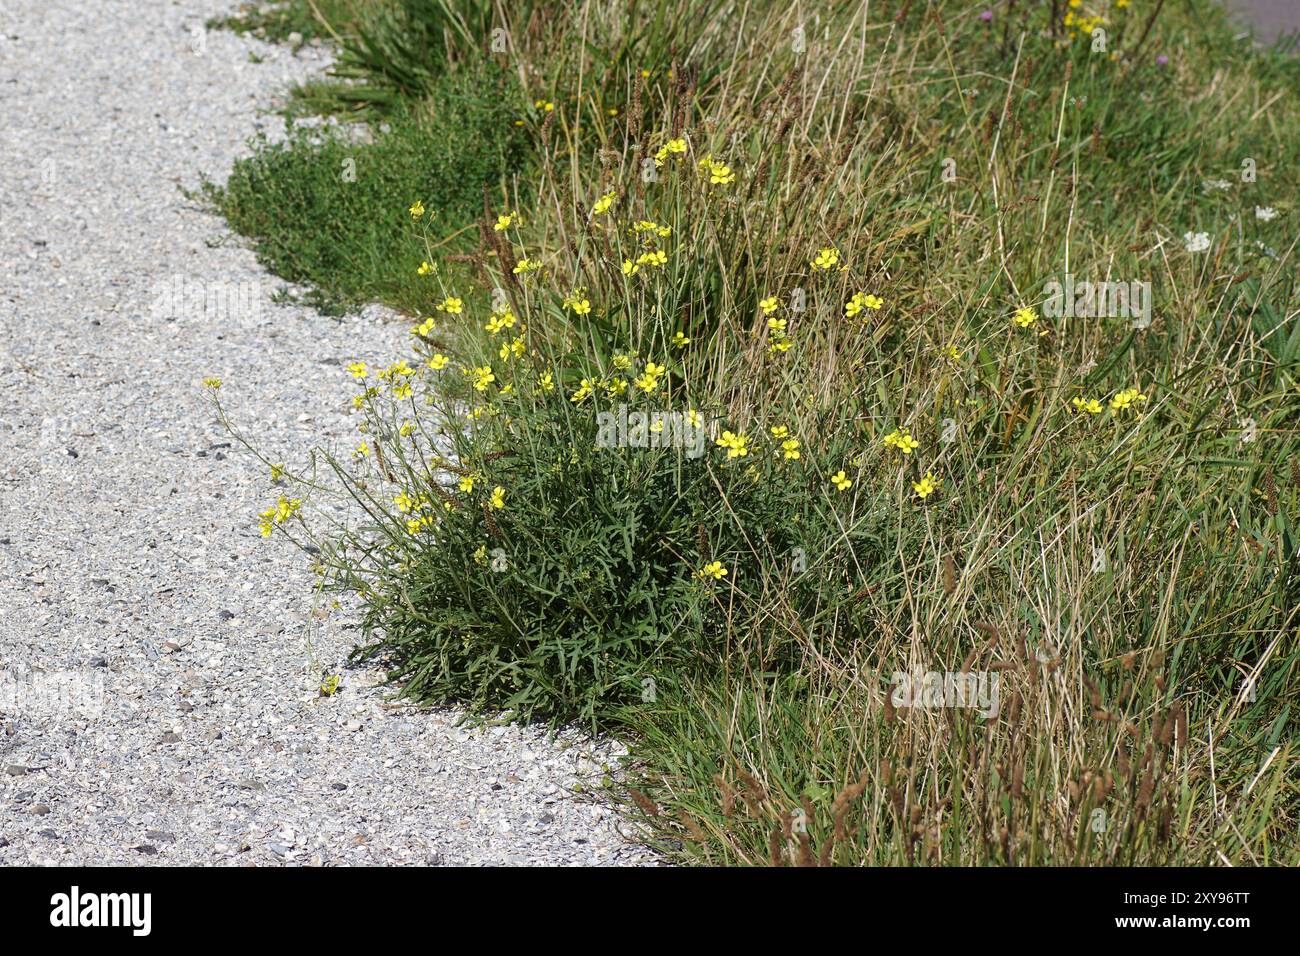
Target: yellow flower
<point>358,370</point>
<point>526,265</point>
<point>545,105</point>
<point>504,319</point>
<point>1125,398</point>
<point>603,204</point>
<point>467,483</point>
<point>719,174</point>
<point>404,502</point>
<point>680,340</point>
<point>926,486</point>
<point>546,381</point>
<point>212,383</point>
<point>622,362</point>
<point>841,481</point>
<point>901,439</point>
<point>425,327</point>
<point>438,362</point>
<point>451,304</point>
<point>577,302</point>
<point>498,499</point>
<point>504,222</point>
<point>694,419</point>
<point>630,268</point>
<point>769,305</point>
<point>780,431</point>
<point>790,448</point>
<point>584,389</point>
<point>402,390</point>
<point>735,444</point>
<point>1025,317</point>
<point>425,268</point>
<point>712,569</point>
<point>827,258</point>
<point>861,301</point>
<point>416,210</point>
<point>483,377</point>
<point>1089,405</point>
<point>413,525</point>
<point>277,472</point>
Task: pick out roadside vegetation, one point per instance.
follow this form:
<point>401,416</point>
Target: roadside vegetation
<point>741,420</point>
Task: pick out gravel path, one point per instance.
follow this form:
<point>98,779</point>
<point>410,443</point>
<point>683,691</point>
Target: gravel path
<point>159,659</point>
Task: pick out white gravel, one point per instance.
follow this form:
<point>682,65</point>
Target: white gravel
<point>157,692</point>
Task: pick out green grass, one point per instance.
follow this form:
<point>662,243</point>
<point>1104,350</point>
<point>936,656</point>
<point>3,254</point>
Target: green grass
<point>330,213</point>
<point>309,19</point>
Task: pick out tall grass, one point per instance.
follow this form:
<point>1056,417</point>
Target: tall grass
<point>1128,576</point>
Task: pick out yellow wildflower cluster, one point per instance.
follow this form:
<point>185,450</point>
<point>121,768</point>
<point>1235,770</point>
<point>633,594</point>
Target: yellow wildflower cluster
<point>503,319</point>
<point>1124,399</point>
<point>648,381</point>
<point>649,228</point>
<point>734,443</point>
<point>1085,24</point>
<point>789,446</point>
<point>712,570</point>
<point>901,439</point>
<point>577,301</point>
<point>719,174</point>
<point>926,486</point>
<point>826,259</point>
<point>1025,317</point>
<point>862,301</point>
<point>777,339</point>
<point>278,514</point>
<point>674,147</point>
<point>1089,405</point>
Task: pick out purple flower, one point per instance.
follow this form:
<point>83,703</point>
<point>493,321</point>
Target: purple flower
<point>986,16</point>
<point>1162,60</point>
